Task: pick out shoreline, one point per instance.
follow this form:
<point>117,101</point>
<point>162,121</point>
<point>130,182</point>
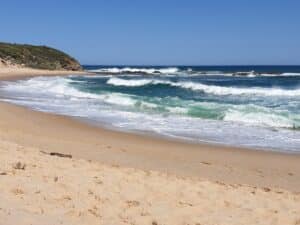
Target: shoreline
<point>14,73</point>
<point>51,132</point>
<point>118,177</point>
<point>157,136</point>
<point>17,75</point>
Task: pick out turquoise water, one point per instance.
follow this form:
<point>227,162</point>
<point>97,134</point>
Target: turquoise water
<point>265,101</point>
<point>258,109</point>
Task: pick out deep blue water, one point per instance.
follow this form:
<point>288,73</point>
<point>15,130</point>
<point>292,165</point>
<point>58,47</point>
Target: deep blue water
<point>227,69</point>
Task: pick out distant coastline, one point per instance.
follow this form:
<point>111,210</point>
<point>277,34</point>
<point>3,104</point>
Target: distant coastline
<point>19,61</point>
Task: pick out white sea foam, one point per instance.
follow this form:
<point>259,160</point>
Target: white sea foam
<point>135,83</point>
<point>117,99</point>
<point>290,74</point>
<point>178,110</point>
<point>219,90</point>
<point>130,83</point>
<point>260,118</point>
<point>44,85</point>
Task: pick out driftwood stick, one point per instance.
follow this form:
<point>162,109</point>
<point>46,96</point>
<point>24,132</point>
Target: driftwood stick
<point>57,154</point>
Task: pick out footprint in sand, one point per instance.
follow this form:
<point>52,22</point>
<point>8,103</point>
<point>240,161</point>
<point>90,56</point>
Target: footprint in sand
<point>206,163</point>
<point>17,191</point>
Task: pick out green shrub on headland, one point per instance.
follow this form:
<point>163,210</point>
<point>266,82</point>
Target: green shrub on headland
<point>39,57</point>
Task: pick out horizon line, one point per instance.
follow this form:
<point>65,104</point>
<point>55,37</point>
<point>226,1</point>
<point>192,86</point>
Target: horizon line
<point>174,65</point>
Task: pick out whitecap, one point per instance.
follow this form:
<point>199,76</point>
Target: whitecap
<point>116,70</point>
<point>130,83</point>
<point>210,89</point>
<point>290,74</point>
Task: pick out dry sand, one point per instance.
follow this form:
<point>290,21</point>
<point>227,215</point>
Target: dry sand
<point>52,190</point>
<point>135,179</point>
<point>13,72</point>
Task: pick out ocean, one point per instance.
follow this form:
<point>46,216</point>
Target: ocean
<point>247,106</point>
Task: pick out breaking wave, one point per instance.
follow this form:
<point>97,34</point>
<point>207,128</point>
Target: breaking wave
<point>262,116</point>
<point>211,89</point>
<point>116,70</point>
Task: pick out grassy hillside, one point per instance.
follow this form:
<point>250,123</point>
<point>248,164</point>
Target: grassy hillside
<point>40,57</point>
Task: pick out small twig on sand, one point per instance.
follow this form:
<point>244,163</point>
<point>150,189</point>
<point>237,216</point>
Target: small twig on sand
<point>57,154</point>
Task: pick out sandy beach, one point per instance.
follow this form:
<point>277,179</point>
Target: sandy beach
<point>15,72</point>
<point>123,178</point>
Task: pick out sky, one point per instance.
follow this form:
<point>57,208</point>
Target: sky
<point>159,32</point>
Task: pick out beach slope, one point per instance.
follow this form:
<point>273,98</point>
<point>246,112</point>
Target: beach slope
<point>124,178</point>
<point>36,188</point>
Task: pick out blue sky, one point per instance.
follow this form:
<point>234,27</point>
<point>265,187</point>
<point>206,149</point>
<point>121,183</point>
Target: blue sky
<point>164,32</point>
